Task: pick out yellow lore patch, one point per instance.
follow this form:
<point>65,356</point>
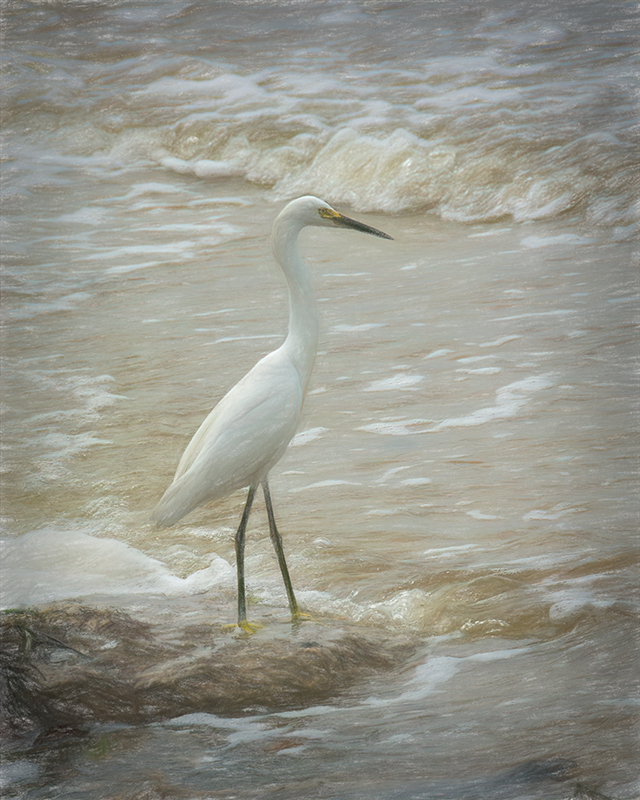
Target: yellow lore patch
<point>329,213</point>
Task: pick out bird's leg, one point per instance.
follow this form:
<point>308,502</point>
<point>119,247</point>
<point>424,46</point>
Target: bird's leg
<point>276,540</point>
<point>242,603</point>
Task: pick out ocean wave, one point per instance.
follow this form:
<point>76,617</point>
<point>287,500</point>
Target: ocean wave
<point>401,171</point>
<point>508,402</point>
<point>474,135</point>
<point>53,564</point>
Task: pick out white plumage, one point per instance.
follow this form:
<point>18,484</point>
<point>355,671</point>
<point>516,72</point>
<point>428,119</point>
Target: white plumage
<point>249,429</point>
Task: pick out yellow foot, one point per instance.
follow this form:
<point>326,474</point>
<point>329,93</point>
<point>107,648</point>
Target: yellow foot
<point>249,627</point>
<point>246,627</point>
<point>301,616</point>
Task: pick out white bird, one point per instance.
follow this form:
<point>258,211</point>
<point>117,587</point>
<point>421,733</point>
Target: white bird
<point>249,429</point>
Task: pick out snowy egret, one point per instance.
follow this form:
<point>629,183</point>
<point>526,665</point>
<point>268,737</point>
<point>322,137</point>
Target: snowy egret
<point>249,429</point>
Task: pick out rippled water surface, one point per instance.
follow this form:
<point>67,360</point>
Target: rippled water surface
<point>465,474</point>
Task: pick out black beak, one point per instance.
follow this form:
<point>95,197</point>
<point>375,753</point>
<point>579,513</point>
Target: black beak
<point>346,222</point>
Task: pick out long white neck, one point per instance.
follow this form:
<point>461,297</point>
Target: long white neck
<point>301,343</point>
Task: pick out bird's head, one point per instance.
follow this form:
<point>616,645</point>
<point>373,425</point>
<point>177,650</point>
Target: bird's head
<point>311,210</point>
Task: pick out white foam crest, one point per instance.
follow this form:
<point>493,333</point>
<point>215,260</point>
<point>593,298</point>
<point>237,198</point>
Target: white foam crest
<point>90,390</point>
<point>52,564</point>
<point>324,484</point>
<point>33,309</point>
<point>124,269</point>
<point>241,730</point>
<point>372,172</point>
<point>559,312</point>
<point>429,677</point>
<point>393,471</point>
<point>481,371</point>
<point>439,353</point>
<point>229,90</point>
<point>416,482</point>
<point>399,170</point>
<point>469,96</point>
<point>500,340</point>
<point>572,602</point>
<point>183,249</point>
<point>554,513</point>
<point>400,381</point>
<point>509,400</point>
<point>64,446</point>
<point>449,552</point>
<point>203,167</point>
<point>536,242</point>
<point>152,188</point>
<point>365,326</point>
<point>397,427</point>
<point>304,437</point>
<point>408,609</point>
<point>473,359</point>
<point>479,515</point>
<point>89,215</point>
<point>246,338</point>
<point>465,66</point>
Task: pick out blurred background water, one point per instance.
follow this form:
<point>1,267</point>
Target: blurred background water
<point>466,471</point>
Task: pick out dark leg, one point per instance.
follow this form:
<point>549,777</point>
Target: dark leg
<point>276,540</point>
<point>242,604</point>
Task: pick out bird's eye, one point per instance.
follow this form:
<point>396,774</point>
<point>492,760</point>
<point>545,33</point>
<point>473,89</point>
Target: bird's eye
<point>328,213</point>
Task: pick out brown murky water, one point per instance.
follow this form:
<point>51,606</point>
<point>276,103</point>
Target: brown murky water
<point>459,508</point>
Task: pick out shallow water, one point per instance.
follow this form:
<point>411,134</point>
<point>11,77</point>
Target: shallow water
<point>466,469</point>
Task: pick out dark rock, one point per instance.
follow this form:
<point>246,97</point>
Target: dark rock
<point>68,666</point>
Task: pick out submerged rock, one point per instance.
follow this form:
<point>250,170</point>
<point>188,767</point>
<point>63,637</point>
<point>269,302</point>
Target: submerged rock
<point>68,666</point>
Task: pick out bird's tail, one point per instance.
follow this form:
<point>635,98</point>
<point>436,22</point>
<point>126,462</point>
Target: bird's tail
<point>175,504</point>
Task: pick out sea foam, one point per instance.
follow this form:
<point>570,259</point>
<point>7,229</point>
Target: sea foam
<point>53,564</point>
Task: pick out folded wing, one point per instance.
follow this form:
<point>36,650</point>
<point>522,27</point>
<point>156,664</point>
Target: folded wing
<point>240,440</point>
